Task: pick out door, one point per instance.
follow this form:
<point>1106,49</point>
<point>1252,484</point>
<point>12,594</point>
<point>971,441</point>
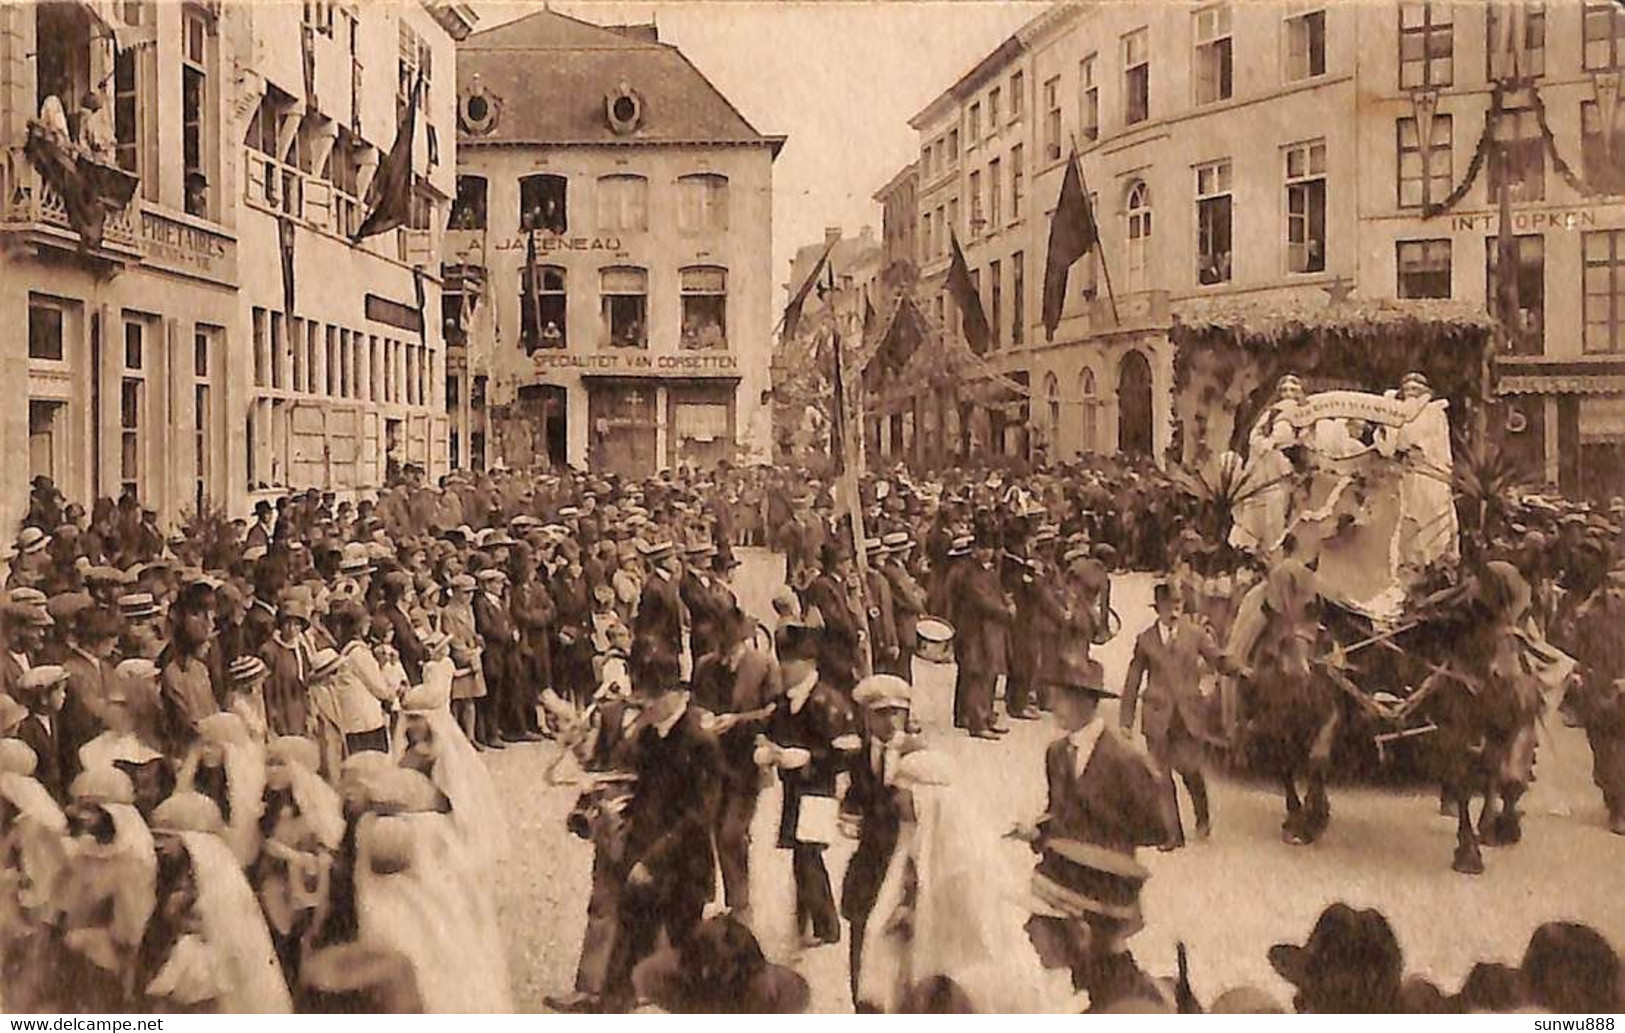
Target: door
<point>623,425</point>
<point>46,427</point>
<point>543,410</point>
<point>1134,435</point>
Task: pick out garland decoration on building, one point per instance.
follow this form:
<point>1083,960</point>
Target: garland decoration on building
<point>1480,151</point>
<point>1575,182</point>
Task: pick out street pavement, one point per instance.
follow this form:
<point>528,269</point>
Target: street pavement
<point>1227,899</point>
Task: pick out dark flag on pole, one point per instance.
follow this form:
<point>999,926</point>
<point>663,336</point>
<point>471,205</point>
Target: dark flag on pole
<point>792,311</point>
<point>1072,234</point>
<point>284,234</point>
<point>837,416</point>
<point>389,195</point>
<point>530,330</point>
<point>868,316</point>
<point>967,298</point>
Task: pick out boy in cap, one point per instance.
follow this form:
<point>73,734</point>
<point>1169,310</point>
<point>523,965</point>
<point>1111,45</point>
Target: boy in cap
<point>41,691</point>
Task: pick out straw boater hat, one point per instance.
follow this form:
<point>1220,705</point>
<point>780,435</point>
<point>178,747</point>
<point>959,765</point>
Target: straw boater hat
<point>246,670</point>
<point>883,692</point>
<point>656,550</point>
<point>961,545</point>
<point>137,605</point>
<point>897,541</point>
<point>32,540</point>
<point>324,665</point>
<point>1081,880</point>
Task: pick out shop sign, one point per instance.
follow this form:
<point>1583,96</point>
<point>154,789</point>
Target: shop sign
<point>687,364</point>
<point>1528,222</point>
<point>546,243</point>
<point>181,247</point>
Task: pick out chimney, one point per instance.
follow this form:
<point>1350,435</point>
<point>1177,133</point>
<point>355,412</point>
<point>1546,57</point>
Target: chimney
<point>832,234</point>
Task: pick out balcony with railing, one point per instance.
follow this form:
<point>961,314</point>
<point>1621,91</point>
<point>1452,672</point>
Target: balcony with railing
<point>32,209</point>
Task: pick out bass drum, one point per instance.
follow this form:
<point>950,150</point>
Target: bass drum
<point>934,640</point>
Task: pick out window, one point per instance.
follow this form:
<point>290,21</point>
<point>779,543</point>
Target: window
<point>1136,77</point>
<point>954,225</point>
<point>623,203</point>
<point>341,170</point>
<point>1306,46</point>
<point>135,83</point>
<point>1306,207</point>
<point>702,203</point>
<point>1018,183</point>
<point>203,348</point>
<point>1018,95</point>
<point>953,147</point>
<point>1088,100</point>
<point>1426,174</point>
<point>1018,298</point>
<point>1604,35</point>
<point>1213,214</point>
<point>468,209</point>
<point>1424,268</point>
<point>278,353</point>
<point>1604,290</point>
<point>705,307</point>
<point>1528,332</point>
<point>1052,119</point>
<point>993,111</point>
<point>1602,150</point>
<point>995,315</point>
<point>197,133</point>
<point>1052,392</point>
<point>1086,393</point>
<point>543,320</point>
<point>925,234</point>
<point>44,330</point>
<point>995,196</point>
<point>976,221</point>
<point>1212,64</point>
<point>1139,234</point>
<point>625,292</point>
<point>414,62</point>
<point>973,127</point>
<point>925,161</point>
<point>1426,45</point>
<point>273,180</point>
<point>1506,56</point>
<point>543,203</point>
<point>132,407</point>
<point>1522,156</point>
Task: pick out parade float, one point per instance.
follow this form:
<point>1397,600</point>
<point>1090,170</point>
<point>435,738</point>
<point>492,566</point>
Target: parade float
<point>1327,444</point>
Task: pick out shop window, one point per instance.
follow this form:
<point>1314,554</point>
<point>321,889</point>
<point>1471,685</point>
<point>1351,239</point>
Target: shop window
<point>1427,45</point>
<point>1306,46</point>
<point>542,310</point>
<point>702,203</point>
<point>1137,77</point>
<point>1424,268</point>
<point>1604,290</point>
<point>1506,57</point>
<point>44,330</point>
<point>623,203</point>
<point>1088,103</point>
<point>1213,230</point>
<point>705,307</point>
<point>1426,174</point>
<point>1522,159</point>
<point>543,203</point>
<point>468,210</point>
<point>1213,72</point>
<point>1306,207</point>
<point>1528,332</point>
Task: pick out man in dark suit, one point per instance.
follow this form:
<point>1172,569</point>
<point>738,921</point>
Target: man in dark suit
<point>1168,658</point>
<point>260,534</point>
<point>729,684</point>
<point>395,585</point>
<point>884,700</point>
<point>908,602</point>
<point>832,592</point>
<point>659,616</point>
<point>42,691</point>
<point>708,601</point>
<point>496,712</point>
<point>668,860</point>
<point>983,614</point>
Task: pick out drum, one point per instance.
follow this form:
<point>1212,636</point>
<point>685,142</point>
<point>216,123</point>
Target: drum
<point>934,640</point>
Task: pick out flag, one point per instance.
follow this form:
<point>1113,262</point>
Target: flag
<point>532,339</point>
<point>967,298</point>
<point>284,235</point>
<point>792,311</point>
<point>868,316</point>
<point>837,422</point>
<point>1072,234</point>
<point>421,297</point>
<point>389,195</point>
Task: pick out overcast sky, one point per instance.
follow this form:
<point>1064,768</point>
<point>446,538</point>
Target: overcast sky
<point>840,79</point>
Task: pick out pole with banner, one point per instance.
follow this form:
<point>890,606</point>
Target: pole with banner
<point>847,474</point>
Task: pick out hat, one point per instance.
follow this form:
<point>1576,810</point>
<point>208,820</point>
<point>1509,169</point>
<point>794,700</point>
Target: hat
<point>961,545</point>
<point>1076,553</point>
<point>700,548</point>
<point>464,583</point>
<point>262,508</point>
<point>1082,880</point>
<point>137,605</point>
<point>11,714</point>
<point>354,559</point>
<point>295,607</point>
<point>1075,670</point>
<point>42,678</point>
<point>656,550</point>
<point>102,784</point>
<point>896,541</point>
<point>187,812</point>
<point>247,669</point>
<point>32,540</point>
<point>17,758</point>
<point>324,664</point>
<point>1046,533</point>
<point>254,553</point>
<point>491,574</point>
<point>883,692</point>
<point>294,749</point>
<point>1163,592</point>
<point>26,597</point>
<point>1346,942</point>
<point>434,641</point>
<point>137,667</point>
<point>569,513</point>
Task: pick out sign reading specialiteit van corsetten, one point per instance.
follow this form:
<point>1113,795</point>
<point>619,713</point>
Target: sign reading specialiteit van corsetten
<point>639,364</point>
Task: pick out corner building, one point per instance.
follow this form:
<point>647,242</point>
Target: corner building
<point>609,256</point>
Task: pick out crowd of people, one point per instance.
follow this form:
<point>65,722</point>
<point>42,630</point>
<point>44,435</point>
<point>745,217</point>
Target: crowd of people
<point>240,771</point>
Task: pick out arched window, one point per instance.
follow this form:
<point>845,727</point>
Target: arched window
<point>543,203</point>
<point>543,312</point>
<point>705,306</point>
<point>1052,391</point>
<point>1139,234</point>
<point>1091,403</point>
<point>623,203</point>
<point>625,293</point>
<point>702,203</point>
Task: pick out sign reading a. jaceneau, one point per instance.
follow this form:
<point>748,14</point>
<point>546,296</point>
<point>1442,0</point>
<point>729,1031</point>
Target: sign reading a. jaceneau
<point>639,364</point>
<point>546,242</point>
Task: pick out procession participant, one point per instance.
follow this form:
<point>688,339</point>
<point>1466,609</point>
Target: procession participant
<point>707,606</point>
<point>734,685</point>
<point>1599,701</point>
<point>186,688</point>
<point>288,657</point>
<point>301,827</point>
<point>983,613</point>
<point>659,615</point>
<point>882,622</point>
<point>908,601</point>
<point>245,693</point>
<point>41,692</point>
<point>1351,964</point>
<point>668,858</point>
<point>1168,658</point>
<point>468,684</point>
<point>358,689</point>
<point>33,838</point>
<point>226,766</point>
<point>217,955</point>
<point>884,700</point>
<point>845,639</point>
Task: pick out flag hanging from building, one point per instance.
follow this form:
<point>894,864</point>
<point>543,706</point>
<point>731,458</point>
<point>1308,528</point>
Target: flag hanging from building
<point>530,332</point>
<point>792,311</point>
<point>1072,234</point>
<point>869,316</point>
<point>284,235</point>
<point>837,405</point>
<point>389,195</point>
<point>968,298</point>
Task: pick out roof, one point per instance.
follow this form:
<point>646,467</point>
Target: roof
<point>847,256</point>
<point>908,174</point>
<point>553,74</point>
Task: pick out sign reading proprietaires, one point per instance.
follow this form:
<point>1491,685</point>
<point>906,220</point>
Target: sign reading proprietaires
<point>638,364</point>
<point>190,250</point>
